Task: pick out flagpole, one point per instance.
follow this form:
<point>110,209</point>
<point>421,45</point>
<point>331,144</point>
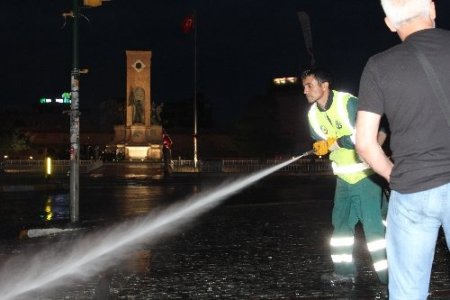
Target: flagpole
<point>195,89</point>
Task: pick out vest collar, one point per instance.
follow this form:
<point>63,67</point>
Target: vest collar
<point>329,102</point>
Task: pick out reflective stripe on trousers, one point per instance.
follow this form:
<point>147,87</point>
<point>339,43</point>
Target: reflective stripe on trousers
<point>342,249</point>
<point>378,246</point>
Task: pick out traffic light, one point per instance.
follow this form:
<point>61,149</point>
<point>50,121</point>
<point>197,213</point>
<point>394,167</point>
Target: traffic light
<point>92,3</point>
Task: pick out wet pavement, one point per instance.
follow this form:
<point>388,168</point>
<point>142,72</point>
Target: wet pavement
<point>269,241</point>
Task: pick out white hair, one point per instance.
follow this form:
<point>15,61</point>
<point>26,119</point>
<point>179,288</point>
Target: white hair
<point>401,11</point>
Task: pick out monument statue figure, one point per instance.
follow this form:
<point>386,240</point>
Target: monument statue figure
<point>159,110</point>
<point>156,114</point>
<point>137,98</point>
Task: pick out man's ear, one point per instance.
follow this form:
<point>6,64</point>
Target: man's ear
<point>390,25</point>
<point>432,11</point>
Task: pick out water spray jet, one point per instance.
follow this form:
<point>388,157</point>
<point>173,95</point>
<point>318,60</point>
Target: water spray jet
<point>89,255</point>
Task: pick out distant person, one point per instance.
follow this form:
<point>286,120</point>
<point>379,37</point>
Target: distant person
<point>167,153</point>
<point>416,104</point>
<point>358,197</point>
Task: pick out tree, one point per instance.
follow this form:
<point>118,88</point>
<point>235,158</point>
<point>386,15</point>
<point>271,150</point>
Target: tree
<point>13,141</point>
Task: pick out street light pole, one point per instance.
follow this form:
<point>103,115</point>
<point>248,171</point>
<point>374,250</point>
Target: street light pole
<point>75,123</point>
<point>75,112</point>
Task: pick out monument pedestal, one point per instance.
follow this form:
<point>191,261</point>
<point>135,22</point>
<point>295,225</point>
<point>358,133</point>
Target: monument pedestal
<point>139,142</point>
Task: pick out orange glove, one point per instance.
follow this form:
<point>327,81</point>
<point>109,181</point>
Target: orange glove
<point>323,147</point>
<point>320,148</point>
<point>332,144</point>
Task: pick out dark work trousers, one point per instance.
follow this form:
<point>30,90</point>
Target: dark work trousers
<point>362,202</point>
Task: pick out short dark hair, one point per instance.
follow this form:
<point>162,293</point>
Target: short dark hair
<point>320,74</point>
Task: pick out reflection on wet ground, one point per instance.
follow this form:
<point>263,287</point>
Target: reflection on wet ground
<point>267,242</point>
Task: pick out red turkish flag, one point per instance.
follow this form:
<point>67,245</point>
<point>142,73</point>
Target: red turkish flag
<point>187,24</point>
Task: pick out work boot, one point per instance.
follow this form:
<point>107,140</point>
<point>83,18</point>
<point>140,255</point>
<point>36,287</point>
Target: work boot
<point>335,279</point>
<point>382,292</point>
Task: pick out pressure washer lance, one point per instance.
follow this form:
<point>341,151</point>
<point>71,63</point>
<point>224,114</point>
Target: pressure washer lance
<point>307,153</point>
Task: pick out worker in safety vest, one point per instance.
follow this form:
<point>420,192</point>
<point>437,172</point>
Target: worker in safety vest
<point>358,197</point>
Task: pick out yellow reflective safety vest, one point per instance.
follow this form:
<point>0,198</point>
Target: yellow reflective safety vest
<point>335,123</point>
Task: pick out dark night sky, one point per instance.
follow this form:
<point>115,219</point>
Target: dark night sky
<point>242,44</point>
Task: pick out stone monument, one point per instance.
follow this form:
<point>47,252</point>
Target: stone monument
<point>138,138</point>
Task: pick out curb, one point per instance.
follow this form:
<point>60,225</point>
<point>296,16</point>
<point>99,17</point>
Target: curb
<point>38,232</point>
<point>32,187</point>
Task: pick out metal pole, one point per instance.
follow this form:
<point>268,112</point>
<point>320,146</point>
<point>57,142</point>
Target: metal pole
<point>306,27</point>
<point>75,123</point>
<point>195,89</point>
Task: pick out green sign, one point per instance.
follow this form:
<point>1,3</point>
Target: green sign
<point>66,97</point>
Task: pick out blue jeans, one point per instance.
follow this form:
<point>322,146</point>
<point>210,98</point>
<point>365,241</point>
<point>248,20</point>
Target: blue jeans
<point>413,225</point>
